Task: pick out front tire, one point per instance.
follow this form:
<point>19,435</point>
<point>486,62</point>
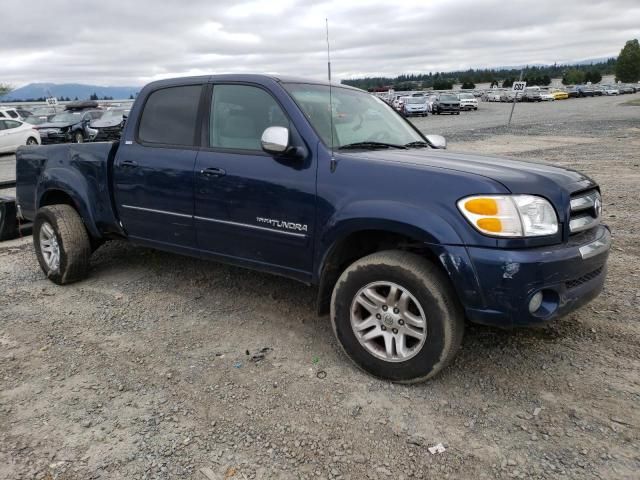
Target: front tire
<point>62,244</point>
<point>396,316</point>
<point>32,141</point>
<point>78,137</point>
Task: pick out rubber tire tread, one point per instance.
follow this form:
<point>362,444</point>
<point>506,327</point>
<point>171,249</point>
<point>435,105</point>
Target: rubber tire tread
<point>448,315</point>
<point>73,239</point>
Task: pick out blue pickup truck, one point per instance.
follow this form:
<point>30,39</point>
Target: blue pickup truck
<point>329,186</point>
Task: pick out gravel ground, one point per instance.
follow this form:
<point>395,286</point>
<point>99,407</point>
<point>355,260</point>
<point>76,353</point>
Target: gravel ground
<point>160,366</point>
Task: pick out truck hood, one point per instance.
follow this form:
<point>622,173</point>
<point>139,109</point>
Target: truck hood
<point>516,175</point>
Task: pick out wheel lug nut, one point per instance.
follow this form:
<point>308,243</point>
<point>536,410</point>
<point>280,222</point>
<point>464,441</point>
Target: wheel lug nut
<point>395,310</point>
<point>394,330</point>
<point>384,307</point>
<point>400,322</point>
<point>378,316</point>
<point>383,328</point>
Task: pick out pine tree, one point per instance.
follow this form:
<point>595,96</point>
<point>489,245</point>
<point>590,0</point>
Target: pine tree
<point>628,64</point>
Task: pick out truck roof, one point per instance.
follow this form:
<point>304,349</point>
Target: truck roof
<point>244,77</point>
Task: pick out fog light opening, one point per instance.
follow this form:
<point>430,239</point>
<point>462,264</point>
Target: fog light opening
<point>535,302</point>
<point>544,303</point>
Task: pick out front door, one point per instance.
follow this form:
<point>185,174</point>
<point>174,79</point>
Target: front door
<point>153,173</point>
<point>251,207</point>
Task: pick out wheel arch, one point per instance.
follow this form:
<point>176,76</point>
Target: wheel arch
<point>355,238</point>
<point>57,191</point>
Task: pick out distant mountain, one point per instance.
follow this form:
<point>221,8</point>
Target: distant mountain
<point>70,90</point>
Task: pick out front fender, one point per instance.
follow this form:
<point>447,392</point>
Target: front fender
<point>397,217</point>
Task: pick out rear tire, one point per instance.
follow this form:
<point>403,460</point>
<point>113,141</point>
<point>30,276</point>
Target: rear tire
<point>62,244</point>
<point>32,141</point>
<point>78,137</point>
<point>423,302</point>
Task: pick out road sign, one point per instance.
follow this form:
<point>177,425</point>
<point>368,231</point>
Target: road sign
<point>52,101</point>
<point>519,86</point>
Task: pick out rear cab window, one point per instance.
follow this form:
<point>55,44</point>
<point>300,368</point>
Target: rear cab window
<point>170,116</point>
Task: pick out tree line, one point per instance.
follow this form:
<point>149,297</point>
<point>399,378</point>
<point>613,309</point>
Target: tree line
<point>626,68</point>
<point>533,75</point>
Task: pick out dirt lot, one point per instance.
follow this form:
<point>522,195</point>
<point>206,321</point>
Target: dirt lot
<point>148,368</point>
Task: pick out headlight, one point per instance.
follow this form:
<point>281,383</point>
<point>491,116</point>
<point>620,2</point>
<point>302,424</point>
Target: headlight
<point>510,215</point>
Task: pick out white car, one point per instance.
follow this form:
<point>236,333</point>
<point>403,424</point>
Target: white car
<point>546,96</point>
<point>7,112</point>
<point>14,133</point>
<point>609,90</point>
<point>493,96</point>
<point>468,101</point>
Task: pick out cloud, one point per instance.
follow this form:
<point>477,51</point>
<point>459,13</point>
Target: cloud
<point>130,43</point>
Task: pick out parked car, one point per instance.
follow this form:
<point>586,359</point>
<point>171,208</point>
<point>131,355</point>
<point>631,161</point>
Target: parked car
<point>468,101</point>
<point>24,113</point>
<point>572,92</point>
<point>627,89</point>
<point>253,170</point>
<point>610,90</point>
<point>9,112</point>
<point>531,94</point>
<point>38,119</point>
<point>70,126</point>
<point>546,96</point>
<point>415,105</point>
<point>398,102</point>
<point>446,103</point>
<point>14,133</point>
<point>494,96</point>
<point>508,95</point>
<point>430,100</point>
<point>559,94</point>
<point>109,126</point>
<point>579,91</point>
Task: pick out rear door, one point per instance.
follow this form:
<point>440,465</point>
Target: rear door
<point>251,206</point>
<point>153,174</point>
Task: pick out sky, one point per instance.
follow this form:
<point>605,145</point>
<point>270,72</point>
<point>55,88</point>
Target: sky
<point>129,43</point>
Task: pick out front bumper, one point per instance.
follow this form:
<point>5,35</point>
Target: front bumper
<point>495,286</point>
<point>408,111</point>
<point>49,138</point>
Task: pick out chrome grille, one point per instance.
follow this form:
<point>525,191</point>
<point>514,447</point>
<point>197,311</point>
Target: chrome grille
<point>586,209</point>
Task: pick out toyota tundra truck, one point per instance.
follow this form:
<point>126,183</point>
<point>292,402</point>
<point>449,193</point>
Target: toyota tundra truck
<point>327,185</point>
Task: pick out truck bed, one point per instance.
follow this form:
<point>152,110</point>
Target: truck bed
<point>81,171</point>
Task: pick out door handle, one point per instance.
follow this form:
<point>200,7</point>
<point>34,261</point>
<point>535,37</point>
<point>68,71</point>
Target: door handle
<point>213,172</point>
<point>128,163</point>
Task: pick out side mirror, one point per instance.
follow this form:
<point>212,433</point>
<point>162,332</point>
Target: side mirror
<point>275,140</point>
<point>437,141</point>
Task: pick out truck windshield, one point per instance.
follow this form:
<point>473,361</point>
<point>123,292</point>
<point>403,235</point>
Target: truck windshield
<point>358,117</point>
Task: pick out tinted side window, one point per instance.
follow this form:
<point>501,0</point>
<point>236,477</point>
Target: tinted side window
<point>2,125</point>
<point>2,115</point>
<point>12,114</point>
<point>170,116</point>
<point>240,114</point>
<point>12,124</point>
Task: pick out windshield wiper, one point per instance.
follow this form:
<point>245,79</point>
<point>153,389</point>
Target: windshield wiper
<point>371,145</point>
<point>417,144</point>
